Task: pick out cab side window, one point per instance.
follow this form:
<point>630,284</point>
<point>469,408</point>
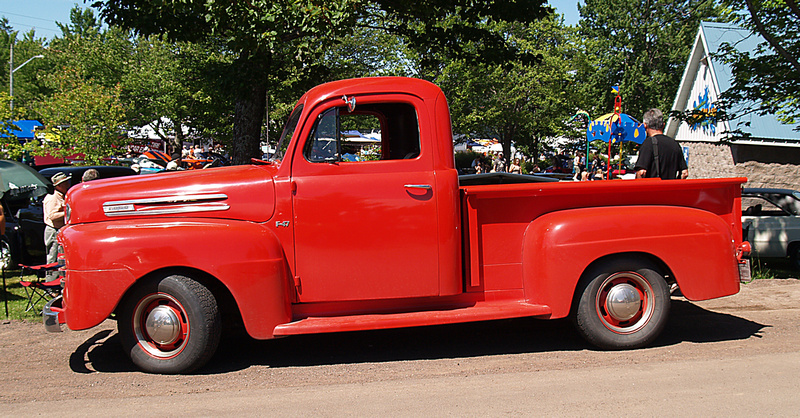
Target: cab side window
<point>371,132</point>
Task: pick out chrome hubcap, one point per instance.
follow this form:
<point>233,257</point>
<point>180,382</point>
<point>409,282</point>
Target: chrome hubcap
<point>163,325</point>
<point>160,325</point>
<point>623,302</point>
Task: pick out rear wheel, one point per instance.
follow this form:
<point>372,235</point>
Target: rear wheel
<point>170,325</point>
<point>624,304</point>
<point>794,255</point>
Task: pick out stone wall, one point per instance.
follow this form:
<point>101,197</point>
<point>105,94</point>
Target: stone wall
<point>708,161</point>
<point>764,166</point>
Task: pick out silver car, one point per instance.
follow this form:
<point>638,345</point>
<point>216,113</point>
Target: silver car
<point>771,220</point>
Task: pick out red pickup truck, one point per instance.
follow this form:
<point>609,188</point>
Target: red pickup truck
<point>343,233</point>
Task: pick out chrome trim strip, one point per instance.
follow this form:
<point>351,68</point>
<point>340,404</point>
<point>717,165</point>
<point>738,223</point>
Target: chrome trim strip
<point>169,199</point>
<point>171,210</point>
<point>166,205</point>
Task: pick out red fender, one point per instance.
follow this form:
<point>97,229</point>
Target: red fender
<point>105,259</point>
<point>697,246</point>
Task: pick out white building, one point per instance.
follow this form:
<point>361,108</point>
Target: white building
<point>769,152</point>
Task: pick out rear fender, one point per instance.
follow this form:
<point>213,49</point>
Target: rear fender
<point>697,246</point>
<point>104,260</point>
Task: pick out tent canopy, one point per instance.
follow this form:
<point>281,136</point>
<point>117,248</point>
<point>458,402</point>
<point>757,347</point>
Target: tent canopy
<point>26,129</point>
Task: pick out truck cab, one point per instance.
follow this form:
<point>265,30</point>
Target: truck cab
<point>383,226</point>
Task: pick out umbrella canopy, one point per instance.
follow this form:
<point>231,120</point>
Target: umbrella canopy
<point>616,128</point>
<point>21,179</point>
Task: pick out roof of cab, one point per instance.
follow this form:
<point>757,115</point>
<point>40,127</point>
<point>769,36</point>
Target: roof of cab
<point>371,85</point>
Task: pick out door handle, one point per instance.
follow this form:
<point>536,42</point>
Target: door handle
<point>418,186</point>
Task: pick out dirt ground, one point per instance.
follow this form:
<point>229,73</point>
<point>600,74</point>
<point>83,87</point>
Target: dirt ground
<point>719,357</point>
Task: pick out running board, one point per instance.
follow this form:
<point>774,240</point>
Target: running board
<point>482,312</point>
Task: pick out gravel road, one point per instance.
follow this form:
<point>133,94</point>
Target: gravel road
<point>733,356</point>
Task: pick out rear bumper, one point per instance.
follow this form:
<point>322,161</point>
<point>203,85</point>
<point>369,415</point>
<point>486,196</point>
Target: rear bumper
<point>53,315</point>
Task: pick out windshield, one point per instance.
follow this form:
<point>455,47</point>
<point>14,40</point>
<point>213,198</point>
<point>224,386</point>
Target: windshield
<point>286,136</point>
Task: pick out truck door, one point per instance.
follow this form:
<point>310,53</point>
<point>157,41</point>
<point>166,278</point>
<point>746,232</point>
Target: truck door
<point>364,208</point>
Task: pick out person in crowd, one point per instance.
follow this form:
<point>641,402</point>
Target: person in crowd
<point>198,152</point>
<point>53,206</point>
<point>577,166</point>
<point>499,164</point>
<point>175,163</point>
<point>89,175</point>
<point>659,156</point>
<point>476,163</point>
<point>515,167</point>
<point>598,168</point>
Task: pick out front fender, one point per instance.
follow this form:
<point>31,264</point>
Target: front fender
<point>697,246</point>
<point>103,260</point>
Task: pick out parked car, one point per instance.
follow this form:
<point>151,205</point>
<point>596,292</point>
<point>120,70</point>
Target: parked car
<point>24,240</point>
<point>77,172</point>
<point>771,222</point>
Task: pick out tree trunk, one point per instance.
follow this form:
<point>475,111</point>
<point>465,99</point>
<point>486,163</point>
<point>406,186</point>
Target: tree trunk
<point>248,118</point>
<point>177,143</point>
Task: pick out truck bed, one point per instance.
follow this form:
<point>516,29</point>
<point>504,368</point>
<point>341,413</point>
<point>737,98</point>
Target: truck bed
<point>496,221</point>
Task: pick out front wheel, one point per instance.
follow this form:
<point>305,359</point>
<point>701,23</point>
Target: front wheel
<point>170,325</point>
<point>624,305</point>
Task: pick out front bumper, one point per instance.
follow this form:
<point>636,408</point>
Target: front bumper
<point>53,315</point>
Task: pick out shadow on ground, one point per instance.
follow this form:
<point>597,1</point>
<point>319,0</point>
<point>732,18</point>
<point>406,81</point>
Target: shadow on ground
<point>688,323</point>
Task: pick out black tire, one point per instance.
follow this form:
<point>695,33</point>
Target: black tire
<point>794,255</point>
<point>187,333</point>
<point>641,309</point>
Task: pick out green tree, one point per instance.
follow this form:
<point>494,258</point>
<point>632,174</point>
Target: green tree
<point>82,110</point>
<point>27,87</point>
<point>641,47</point>
<point>82,118</point>
<point>275,40</point>
<point>263,37</point>
<point>172,84</point>
<point>516,101</point>
<point>766,80</point>
<point>96,55</point>
<point>10,147</point>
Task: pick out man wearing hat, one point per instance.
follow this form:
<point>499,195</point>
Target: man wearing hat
<point>53,206</point>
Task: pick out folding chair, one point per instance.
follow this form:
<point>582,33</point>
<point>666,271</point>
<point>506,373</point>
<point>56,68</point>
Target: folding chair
<point>40,289</point>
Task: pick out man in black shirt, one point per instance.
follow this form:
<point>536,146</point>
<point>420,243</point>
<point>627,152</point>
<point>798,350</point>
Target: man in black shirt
<point>659,155</point>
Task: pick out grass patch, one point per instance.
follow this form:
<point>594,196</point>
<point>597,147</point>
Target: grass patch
<point>17,299</point>
<point>767,268</point>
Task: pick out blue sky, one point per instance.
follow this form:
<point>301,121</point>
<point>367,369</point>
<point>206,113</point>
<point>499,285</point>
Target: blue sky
<point>24,15</point>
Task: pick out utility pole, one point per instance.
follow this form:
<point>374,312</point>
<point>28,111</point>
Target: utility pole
<point>12,70</point>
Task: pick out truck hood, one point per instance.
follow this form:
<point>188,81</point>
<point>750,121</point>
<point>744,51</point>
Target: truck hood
<point>240,192</point>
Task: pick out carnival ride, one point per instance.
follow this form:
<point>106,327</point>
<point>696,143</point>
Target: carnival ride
<point>613,128</point>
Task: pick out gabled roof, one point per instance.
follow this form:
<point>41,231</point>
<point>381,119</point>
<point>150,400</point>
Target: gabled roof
<point>705,78</point>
